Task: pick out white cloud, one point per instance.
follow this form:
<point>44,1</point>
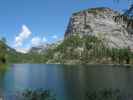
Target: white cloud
<point>23,35</point>
<point>54,36</point>
<point>44,39</point>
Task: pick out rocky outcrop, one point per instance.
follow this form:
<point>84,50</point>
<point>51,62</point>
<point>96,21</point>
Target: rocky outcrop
<point>104,24</point>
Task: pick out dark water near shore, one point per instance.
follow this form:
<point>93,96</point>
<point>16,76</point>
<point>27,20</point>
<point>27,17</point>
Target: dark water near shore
<point>67,82</point>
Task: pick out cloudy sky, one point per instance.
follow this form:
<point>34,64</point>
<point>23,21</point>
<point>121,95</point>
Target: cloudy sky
<point>26,23</point>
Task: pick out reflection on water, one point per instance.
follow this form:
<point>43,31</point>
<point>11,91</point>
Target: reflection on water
<point>3,69</point>
<point>68,82</point>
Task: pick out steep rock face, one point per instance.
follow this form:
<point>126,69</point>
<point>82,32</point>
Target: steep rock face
<point>101,23</point>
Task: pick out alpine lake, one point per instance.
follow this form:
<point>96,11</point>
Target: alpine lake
<point>66,82</point>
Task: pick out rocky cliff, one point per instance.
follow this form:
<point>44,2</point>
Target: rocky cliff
<point>103,23</point>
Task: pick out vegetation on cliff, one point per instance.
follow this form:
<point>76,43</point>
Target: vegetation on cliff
<point>73,50</point>
<point>89,49</point>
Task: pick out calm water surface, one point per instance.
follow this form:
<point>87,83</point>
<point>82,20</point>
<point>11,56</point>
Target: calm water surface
<point>65,81</point>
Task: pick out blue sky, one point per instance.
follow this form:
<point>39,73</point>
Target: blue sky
<point>45,20</point>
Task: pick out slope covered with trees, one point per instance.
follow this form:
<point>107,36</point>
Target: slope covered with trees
<point>88,49</point>
<point>2,52</point>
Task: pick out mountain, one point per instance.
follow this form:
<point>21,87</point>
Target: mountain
<point>43,48</point>
<point>105,24</point>
<point>96,35</point>
<point>39,49</point>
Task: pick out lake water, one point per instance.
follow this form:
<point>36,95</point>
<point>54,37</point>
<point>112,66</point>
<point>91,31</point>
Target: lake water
<point>67,82</point>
